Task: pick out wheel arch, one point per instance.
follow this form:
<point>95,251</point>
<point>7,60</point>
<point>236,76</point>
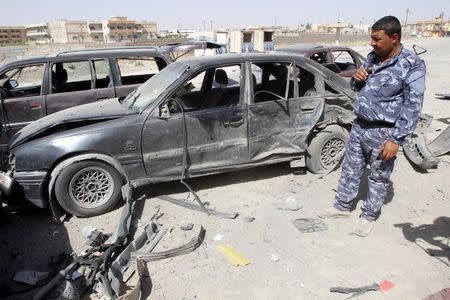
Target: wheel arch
<point>56,209</point>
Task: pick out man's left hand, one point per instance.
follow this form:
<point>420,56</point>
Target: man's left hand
<point>388,150</point>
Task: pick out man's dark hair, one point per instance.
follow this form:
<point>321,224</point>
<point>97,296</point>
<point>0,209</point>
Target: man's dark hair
<point>390,25</point>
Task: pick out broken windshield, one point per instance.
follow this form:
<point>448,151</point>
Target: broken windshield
<point>156,85</point>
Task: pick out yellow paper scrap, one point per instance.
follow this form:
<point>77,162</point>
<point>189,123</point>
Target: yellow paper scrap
<point>234,257</point>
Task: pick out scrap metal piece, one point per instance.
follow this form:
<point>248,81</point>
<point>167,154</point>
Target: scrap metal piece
<point>347,290</point>
<point>308,225</point>
<point>355,292</point>
<point>441,145</point>
<point>417,151</point>
<point>443,96</point>
<point>198,208</point>
<point>193,244</point>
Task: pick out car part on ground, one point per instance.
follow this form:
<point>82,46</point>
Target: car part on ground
<point>422,153</point>
<point>111,265</point>
<point>443,96</point>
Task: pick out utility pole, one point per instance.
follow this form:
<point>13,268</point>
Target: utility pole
<point>210,25</point>
<point>406,17</point>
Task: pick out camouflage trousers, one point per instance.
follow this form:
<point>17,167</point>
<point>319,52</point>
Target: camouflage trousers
<point>363,149</point>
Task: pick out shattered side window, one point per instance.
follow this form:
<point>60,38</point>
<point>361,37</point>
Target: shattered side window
<point>136,70</point>
<point>344,60</point>
<point>23,82</point>
<point>306,83</point>
<point>71,76</point>
<point>211,88</point>
<point>275,79</point>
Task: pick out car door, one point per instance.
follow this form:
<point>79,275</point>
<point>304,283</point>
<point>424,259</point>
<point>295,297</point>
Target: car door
<point>282,111</point>
<point>23,99</point>
<point>215,121</point>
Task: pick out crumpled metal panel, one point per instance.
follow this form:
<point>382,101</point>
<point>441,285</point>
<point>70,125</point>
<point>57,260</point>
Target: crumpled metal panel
<point>282,127</point>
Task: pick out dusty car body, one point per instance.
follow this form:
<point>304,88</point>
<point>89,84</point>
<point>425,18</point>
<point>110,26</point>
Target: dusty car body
<point>341,60</point>
<point>195,117</point>
<point>33,88</point>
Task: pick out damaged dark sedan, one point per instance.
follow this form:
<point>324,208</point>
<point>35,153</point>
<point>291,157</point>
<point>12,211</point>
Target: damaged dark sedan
<point>195,117</point>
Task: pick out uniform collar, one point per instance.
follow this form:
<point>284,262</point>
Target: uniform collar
<point>375,59</point>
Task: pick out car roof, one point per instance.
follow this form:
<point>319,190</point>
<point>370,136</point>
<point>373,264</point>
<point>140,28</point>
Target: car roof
<point>304,48</point>
<point>239,58</point>
<point>89,53</point>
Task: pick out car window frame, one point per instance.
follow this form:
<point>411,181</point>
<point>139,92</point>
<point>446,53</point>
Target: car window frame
<point>194,73</point>
<point>21,66</point>
<point>50,67</point>
<point>251,100</point>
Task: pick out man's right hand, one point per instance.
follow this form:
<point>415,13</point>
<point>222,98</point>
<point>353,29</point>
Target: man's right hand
<point>361,75</point>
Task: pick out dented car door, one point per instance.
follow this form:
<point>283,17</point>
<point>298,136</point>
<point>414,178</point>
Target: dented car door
<point>280,121</point>
<point>216,131</point>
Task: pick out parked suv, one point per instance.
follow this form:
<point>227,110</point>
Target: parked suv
<point>33,88</point>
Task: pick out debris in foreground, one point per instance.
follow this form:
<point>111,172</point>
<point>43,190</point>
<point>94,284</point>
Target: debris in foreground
<point>422,153</point>
<point>234,257</point>
<point>309,225</point>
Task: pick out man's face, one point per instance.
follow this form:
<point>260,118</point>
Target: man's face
<point>382,43</point>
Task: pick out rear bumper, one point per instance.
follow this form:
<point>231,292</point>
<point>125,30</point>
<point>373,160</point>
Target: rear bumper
<point>28,186</point>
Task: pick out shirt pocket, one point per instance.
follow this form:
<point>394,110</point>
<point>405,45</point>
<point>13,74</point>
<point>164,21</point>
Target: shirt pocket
<point>387,87</point>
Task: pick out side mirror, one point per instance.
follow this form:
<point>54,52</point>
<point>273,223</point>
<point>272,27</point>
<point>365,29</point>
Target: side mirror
<point>164,111</point>
<point>13,83</point>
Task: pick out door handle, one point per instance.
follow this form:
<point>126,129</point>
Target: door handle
<point>34,105</point>
<point>235,123</point>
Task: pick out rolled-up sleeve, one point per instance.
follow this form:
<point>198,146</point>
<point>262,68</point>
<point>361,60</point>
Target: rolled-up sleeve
<point>413,92</point>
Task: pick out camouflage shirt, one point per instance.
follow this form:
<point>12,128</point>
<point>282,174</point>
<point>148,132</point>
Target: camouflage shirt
<point>393,92</point>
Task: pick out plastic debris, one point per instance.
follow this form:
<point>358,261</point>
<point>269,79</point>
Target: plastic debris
<point>274,257</point>
<point>386,285</point>
<point>307,225</point>
<point>218,237</point>
<point>234,257</point>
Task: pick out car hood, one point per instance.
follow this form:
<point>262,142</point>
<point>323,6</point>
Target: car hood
<point>91,113</point>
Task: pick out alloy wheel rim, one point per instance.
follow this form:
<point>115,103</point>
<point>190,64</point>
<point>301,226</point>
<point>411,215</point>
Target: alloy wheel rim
<point>91,187</point>
<point>332,152</point>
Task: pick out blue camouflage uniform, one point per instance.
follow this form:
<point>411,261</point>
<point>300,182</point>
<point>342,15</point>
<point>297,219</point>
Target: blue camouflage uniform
<point>387,107</point>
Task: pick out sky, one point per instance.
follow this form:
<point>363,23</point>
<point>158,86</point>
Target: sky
<point>200,14</point>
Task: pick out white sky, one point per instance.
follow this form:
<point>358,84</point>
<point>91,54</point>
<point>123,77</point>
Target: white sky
<point>223,14</point>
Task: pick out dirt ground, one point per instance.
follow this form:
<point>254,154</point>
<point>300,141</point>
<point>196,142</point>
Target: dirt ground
<point>284,263</point>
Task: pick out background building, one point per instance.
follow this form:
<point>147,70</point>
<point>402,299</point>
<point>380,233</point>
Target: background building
<point>12,35</point>
<point>38,33</point>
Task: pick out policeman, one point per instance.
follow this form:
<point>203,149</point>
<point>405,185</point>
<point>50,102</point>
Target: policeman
<point>391,86</point>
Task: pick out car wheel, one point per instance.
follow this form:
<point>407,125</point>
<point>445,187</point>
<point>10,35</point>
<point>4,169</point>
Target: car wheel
<point>88,188</point>
<point>326,149</point>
